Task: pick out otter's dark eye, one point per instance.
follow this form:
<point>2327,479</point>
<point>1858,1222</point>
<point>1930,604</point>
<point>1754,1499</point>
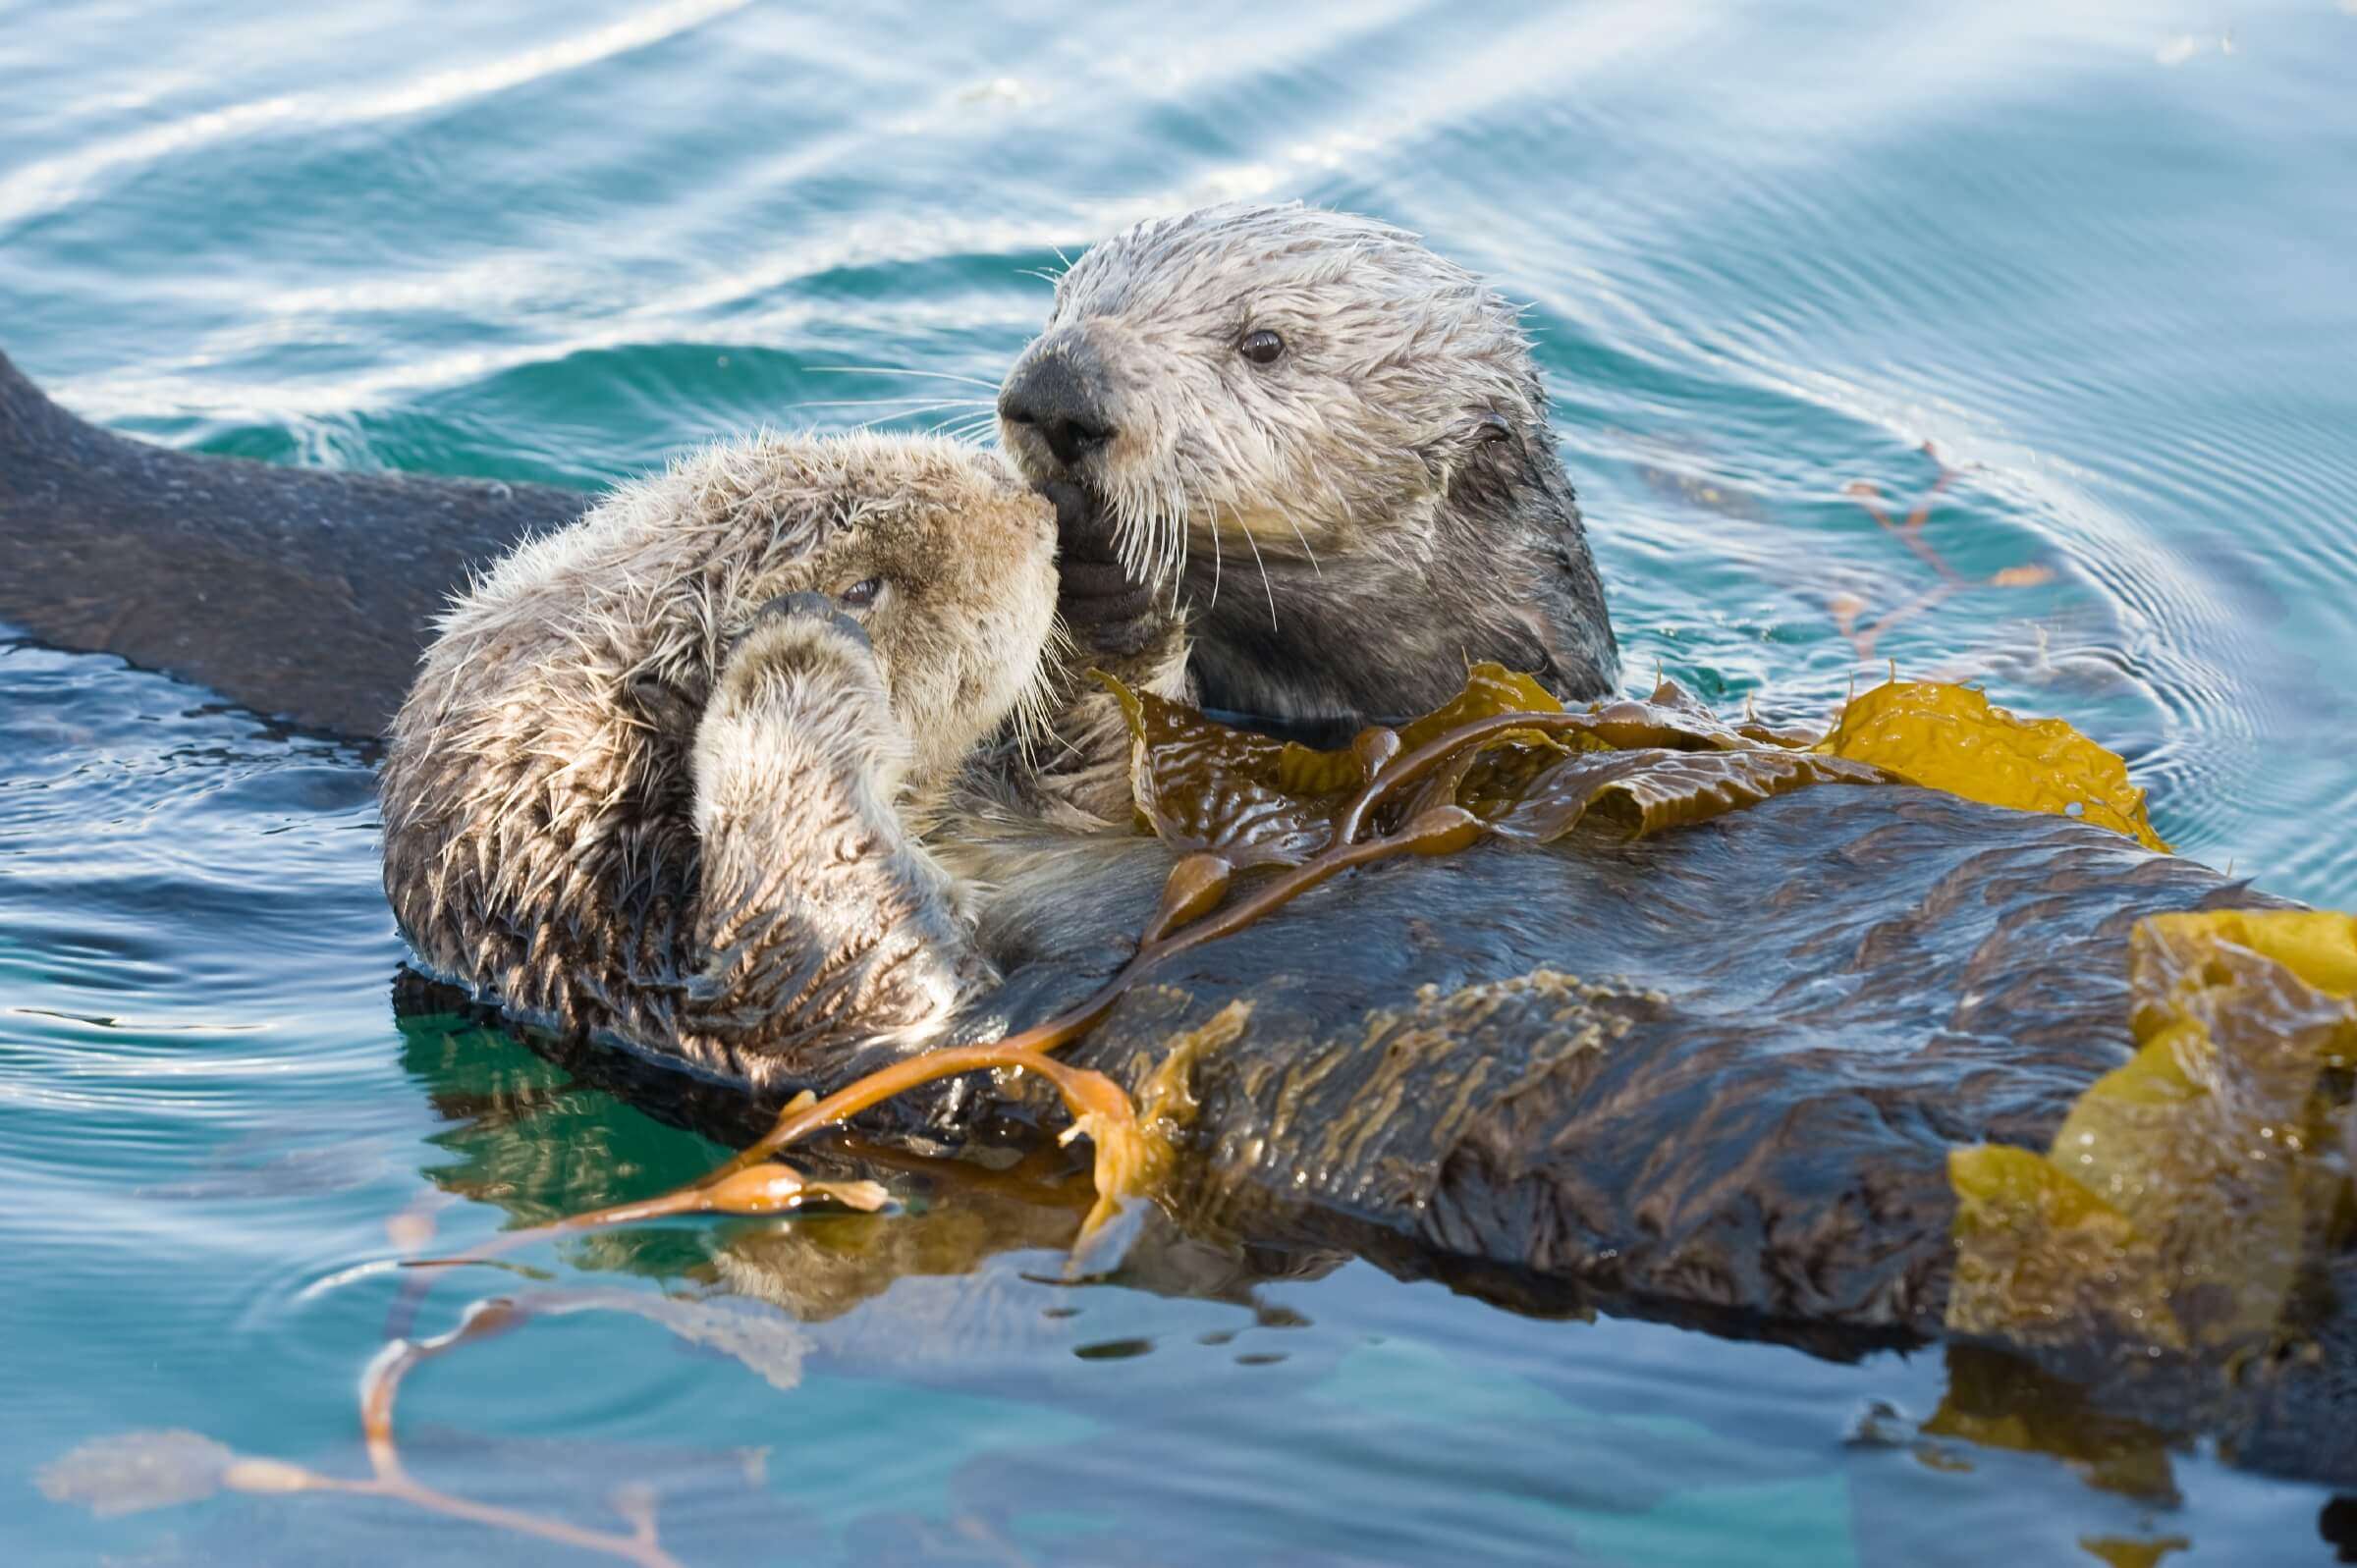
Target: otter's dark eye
<point>1261,348</point>
<point>860,595</point>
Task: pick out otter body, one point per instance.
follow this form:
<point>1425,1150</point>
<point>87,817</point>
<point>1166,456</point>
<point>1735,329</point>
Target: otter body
<point>663,776</point>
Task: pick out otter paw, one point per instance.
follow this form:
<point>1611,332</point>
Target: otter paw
<point>808,642</point>
<point>804,607</point>
<point>1100,602</point>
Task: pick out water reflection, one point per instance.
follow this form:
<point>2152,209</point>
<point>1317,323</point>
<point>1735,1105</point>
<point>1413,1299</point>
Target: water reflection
<point>964,1286</point>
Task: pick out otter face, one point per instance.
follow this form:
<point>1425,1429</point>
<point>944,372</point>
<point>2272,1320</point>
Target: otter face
<point>948,565</point>
<point>943,559</point>
<point>1277,377</point>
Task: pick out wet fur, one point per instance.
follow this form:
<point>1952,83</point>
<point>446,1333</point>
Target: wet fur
<point>1337,534</point>
<point>628,806</point>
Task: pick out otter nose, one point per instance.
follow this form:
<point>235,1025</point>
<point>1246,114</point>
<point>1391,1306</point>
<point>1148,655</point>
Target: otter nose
<point>1057,396</point>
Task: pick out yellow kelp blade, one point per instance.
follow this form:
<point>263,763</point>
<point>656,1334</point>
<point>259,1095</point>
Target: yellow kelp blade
<point>1950,737</point>
<point>2320,946</point>
<point>2182,1188</point>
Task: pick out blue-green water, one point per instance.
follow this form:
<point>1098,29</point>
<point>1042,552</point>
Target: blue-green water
<point>2103,255</point>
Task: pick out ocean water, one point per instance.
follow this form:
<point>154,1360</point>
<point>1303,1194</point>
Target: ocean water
<point>2101,257</point>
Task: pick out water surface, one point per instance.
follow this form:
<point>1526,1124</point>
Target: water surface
<point>2100,256</point>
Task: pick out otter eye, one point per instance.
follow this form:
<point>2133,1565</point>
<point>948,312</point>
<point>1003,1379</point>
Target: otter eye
<point>1261,348</point>
<point>861,594</point>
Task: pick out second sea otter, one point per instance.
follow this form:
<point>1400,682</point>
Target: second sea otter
<point>1304,472</point>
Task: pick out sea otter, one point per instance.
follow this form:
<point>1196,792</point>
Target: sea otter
<point>1305,473</point>
<point>1319,427</point>
<point>664,775</point>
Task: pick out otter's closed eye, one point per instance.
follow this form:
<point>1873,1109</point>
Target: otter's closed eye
<point>1261,348</point>
<point>862,594</point>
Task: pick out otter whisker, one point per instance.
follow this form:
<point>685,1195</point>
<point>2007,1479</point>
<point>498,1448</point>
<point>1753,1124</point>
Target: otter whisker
<point>893,370</point>
<point>1266,585</point>
<point>1215,562</point>
<point>922,399</point>
<point>968,428</point>
<point>1292,523</point>
<point>906,413</point>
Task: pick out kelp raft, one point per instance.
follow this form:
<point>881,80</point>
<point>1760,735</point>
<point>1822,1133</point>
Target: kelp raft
<point>1503,759</point>
<point>1837,1075</point>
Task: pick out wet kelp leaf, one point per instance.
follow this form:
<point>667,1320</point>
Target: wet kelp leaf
<point>1950,737</point>
<point>1648,766</point>
<point>1652,790</point>
<point>2183,1189</point>
<point>1254,800</point>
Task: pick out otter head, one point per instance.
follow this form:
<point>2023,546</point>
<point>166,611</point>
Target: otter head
<point>948,565</point>
<point>938,556</point>
<point>1318,401</point>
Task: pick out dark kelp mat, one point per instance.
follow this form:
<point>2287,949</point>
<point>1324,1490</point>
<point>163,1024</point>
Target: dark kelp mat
<point>1715,1075</point>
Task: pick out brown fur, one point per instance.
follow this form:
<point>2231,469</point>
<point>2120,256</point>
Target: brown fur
<point>620,812</point>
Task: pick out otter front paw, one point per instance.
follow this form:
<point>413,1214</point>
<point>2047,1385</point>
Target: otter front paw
<point>808,611</point>
<point>800,707</point>
<point>799,654</point>
<point>1108,610</point>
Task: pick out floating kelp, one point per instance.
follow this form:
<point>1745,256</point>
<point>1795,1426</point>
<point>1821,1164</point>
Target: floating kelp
<point>1502,750</point>
<point>1950,737</point>
<point>2184,1188</point>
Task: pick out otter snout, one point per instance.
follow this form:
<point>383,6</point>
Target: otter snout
<point>1058,394</point>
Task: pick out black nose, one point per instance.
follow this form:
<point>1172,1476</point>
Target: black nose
<point>1060,395</point>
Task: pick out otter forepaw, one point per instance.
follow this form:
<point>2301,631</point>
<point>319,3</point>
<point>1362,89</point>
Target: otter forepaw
<point>1102,604</point>
<point>806,607</point>
<point>802,649</point>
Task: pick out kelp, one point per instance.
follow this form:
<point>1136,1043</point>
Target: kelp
<point>1502,750</point>
<point>1849,610</point>
<point>135,1471</point>
<point>2184,1187</point>
<point>1952,738</point>
<point>1526,769</point>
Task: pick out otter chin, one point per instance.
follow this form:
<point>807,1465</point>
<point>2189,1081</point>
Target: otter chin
<point>1327,447</point>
